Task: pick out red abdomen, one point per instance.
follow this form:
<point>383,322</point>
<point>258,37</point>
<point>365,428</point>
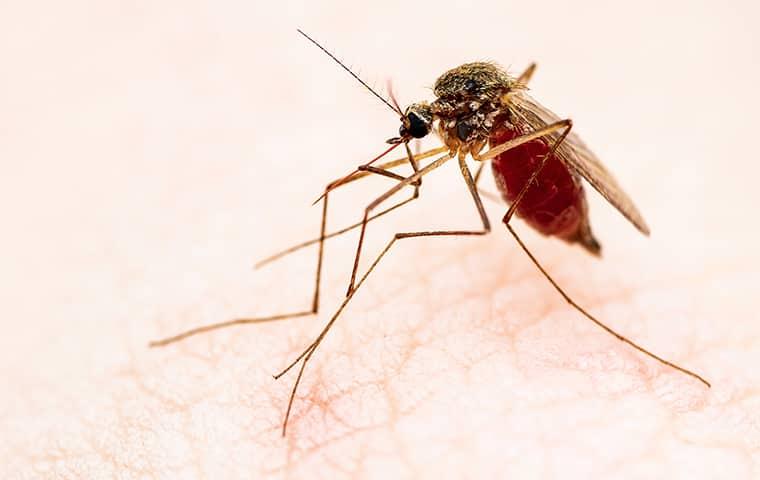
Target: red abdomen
<point>556,204</point>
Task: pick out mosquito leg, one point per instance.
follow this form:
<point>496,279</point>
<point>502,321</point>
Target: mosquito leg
<point>562,124</point>
<point>364,170</point>
<point>381,171</point>
<point>491,196</point>
<point>409,180</point>
<point>508,217</point>
<point>597,322</point>
<point>328,236</point>
<point>244,321</point>
<point>515,142</point>
<point>306,355</point>
<point>568,123</point>
<point>415,165</point>
<point>484,193</point>
<point>315,299</point>
<point>367,167</point>
<point>526,75</point>
<point>390,164</point>
<point>347,178</point>
<point>317,282</point>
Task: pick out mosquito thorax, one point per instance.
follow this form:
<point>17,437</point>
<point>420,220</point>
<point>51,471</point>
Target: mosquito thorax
<point>469,99</point>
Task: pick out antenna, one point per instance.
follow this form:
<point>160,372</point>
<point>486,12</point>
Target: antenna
<point>358,79</point>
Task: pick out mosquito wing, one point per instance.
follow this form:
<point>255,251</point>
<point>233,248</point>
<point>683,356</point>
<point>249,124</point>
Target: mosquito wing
<point>577,156</point>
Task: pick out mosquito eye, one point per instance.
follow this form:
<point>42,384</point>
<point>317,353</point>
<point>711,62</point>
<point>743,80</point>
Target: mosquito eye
<point>417,126</point>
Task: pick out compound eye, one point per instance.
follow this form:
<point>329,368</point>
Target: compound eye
<point>417,126</point>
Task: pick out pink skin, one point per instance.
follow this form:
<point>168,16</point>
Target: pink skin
<point>150,152</point>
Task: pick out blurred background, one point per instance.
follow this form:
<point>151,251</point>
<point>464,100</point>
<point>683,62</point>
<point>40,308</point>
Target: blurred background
<point>150,152</point>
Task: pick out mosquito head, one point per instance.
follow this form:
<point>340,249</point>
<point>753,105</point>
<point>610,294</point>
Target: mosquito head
<point>416,122</point>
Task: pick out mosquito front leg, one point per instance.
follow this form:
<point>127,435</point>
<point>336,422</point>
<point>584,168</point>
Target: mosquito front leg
<point>378,201</point>
<point>478,174</point>
<point>548,130</point>
<point>317,282</point>
<point>380,170</point>
<point>246,321</point>
<point>415,165</point>
<point>367,168</point>
<point>306,355</point>
<point>330,235</point>
<point>394,163</point>
<point>360,173</point>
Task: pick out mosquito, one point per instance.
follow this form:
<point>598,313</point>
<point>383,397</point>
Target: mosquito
<point>481,112</point>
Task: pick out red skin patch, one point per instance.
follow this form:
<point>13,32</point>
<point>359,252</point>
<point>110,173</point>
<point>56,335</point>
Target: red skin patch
<point>556,204</point>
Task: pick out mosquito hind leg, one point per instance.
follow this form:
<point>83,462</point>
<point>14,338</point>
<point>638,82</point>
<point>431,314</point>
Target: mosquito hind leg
<point>367,168</point>
<point>604,327</point>
<point>508,217</point>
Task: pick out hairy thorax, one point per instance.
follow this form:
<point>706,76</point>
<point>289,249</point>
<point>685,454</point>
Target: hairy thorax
<point>475,109</point>
<point>469,98</point>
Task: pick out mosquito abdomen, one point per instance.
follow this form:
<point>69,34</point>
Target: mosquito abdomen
<point>556,204</point>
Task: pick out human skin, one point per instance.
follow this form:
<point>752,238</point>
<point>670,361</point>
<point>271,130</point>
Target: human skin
<point>150,157</point>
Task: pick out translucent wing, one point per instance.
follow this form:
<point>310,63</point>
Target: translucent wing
<point>577,155</point>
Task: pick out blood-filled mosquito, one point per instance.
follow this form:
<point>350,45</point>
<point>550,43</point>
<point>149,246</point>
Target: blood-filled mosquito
<point>481,112</point>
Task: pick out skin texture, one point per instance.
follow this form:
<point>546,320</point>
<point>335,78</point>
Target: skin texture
<point>151,154</point>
